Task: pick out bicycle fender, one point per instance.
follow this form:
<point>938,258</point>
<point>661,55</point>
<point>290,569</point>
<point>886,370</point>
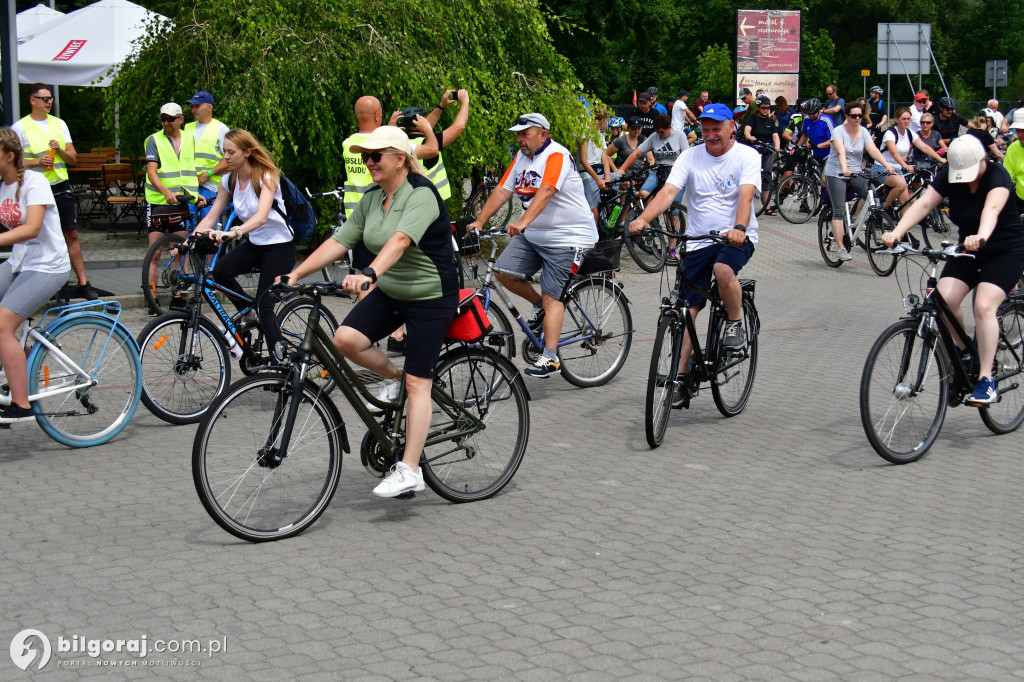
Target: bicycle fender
<point>105,319</point>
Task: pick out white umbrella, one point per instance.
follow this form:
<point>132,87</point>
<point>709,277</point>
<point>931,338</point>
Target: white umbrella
<point>82,48</point>
<point>34,20</point>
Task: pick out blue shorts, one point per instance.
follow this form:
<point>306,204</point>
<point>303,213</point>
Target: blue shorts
<point>522,259</point>
<point>652,182</point>
<point>701,262</point>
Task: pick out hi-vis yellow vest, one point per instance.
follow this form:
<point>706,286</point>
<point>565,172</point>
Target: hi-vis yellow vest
<point>176,171</point>
<point>39,143</point>
<point>357,178</point>
<point>437,175</point>
<point>206,147</point>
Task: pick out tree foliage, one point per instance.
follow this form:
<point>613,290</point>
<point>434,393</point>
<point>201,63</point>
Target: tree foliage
<point>715,69</point>
<point>290,70</point>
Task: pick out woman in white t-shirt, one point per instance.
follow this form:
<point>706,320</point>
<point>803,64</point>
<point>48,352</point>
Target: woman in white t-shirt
<point>38,266</point>
<point>253,184</point>
<point>896,146</point>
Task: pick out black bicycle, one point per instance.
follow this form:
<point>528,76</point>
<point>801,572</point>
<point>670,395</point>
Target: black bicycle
<point>648,250</point>
<point>799,195</point>
<point>729,371</point>
<point>914,370</point>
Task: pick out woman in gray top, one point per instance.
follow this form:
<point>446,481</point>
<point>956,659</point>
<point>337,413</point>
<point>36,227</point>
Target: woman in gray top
<point>849,142</point>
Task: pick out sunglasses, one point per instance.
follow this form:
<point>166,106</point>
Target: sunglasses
<point>376,156</point>
<point>855,116</point>
<point>928,122</point>
<point>45,99</point>
<point>168,119</point>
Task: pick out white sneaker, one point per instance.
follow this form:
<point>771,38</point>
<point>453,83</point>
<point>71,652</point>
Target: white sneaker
<point>388,394</point>
<point>844,255</point>
<point>401,480</point>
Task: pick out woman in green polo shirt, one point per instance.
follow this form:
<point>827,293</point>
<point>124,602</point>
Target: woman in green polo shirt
<point>404,223</point>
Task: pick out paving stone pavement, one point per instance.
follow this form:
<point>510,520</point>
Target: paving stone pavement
<point>772,545</point>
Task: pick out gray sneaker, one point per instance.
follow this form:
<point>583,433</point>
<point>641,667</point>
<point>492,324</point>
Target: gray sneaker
<point>734,337</point>
<point>844,255</point>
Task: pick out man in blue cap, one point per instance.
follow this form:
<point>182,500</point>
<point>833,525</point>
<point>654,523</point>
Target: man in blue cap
<point>209,137</point>
<point>721,179</point>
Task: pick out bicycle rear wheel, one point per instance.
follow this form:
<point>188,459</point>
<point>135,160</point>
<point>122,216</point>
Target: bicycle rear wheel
<point>165,274</point>
<point>879,257</point>
<point>903,392</point>
<point>648,251</point>
<point>797,197</point>
<point>826,240</point>
<point>1006,415</point>
<point>479,465</point>
<point>733,371</point>
<point>505,214</point>
<point>89,415</point>
<point>661,379</point>
<point>598,313</point>
<point>184,367</point>
<point>294,319</point>
<point>243,487</point>
<point>502,337</point>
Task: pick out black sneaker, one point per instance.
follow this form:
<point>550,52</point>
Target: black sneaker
<point>396,346</point>
<point>153,312</point>
<point>536,321</point>
<point>681,393</point>
<point>15,413</point>
<point>87,292</point>
<point>543,368</point>
<point>734,338</point>
<point>178,304</point>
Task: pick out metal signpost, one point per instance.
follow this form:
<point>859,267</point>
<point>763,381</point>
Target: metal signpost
<point>906,49</point>
<point>768,52</point>
<point>995,74</point>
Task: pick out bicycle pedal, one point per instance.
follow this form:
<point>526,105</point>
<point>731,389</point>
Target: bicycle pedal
<point>406,496</point>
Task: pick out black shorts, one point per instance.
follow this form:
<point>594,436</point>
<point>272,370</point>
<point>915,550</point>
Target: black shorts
<point>1002,268</point>
<point>65,205</point>
<point>426,323</point>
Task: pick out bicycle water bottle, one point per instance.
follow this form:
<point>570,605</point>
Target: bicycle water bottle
<point>614,216</point>
<point>233,347</point>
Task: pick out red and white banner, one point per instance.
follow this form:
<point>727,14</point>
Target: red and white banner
<point>69,51</point>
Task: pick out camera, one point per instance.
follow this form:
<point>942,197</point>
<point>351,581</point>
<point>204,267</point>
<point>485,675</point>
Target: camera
<point>407,121</point>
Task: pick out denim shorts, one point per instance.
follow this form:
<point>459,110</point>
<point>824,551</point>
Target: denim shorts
<point>522,259</point>
<point>652,182</point>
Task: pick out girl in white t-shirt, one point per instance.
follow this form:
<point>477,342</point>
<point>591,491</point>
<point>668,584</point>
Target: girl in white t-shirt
<point>253,184</point>
<point>38,266</point>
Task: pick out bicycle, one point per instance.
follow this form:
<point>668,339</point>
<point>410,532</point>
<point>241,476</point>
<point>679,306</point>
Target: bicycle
<point>186,358</point>
<point>84,373</point>
<point>729,372</point>
<point>597,329</point>
<point>336,271</point>
<point>481,192</point>
<point>769,177</point>
<point>266,460</point>
<point>799,196</point>
<point>865,231</point>
<point>914,370</point>
<point>923,175</point>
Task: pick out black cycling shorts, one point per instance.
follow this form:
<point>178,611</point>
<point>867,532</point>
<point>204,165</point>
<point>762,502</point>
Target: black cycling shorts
<point>1002,268</point>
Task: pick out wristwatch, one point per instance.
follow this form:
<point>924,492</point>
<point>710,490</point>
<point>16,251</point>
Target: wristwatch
<point>369,272</point>
<point>741,228</point>
<point>238,232</point>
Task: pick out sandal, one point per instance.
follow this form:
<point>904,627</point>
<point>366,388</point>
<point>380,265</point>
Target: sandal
<point>771,211</point>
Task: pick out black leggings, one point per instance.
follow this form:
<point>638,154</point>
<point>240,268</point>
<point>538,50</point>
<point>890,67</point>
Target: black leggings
<point>273,260</point>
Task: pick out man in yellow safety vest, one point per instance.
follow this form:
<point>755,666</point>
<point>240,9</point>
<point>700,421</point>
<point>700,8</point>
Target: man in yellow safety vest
<point>47,147</point>
<point>209,134</point>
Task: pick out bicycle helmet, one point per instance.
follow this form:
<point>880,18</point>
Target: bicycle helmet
<point>878,89</point>
<point>763,100</point>
<point>812,106</point>
<point>618,122</point>
<point>947,103</point>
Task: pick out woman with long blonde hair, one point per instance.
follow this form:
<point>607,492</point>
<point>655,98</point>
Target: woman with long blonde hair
<point>253,183</point>
<point>38,266</point>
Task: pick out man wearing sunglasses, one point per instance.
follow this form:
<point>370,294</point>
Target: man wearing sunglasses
<point>553,235</point>
<point>47,147</point>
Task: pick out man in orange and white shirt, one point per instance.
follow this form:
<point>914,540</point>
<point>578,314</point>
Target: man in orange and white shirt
<point>561,230</point>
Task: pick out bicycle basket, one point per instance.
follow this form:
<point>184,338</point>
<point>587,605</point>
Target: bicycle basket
<point>603,257</point>
<point>470,323</point>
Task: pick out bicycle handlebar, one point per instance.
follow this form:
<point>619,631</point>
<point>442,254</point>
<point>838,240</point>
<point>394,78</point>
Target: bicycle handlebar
<point>944,252</point>
<point>714,236</point>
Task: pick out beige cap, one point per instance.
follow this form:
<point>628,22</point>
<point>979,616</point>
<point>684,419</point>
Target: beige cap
<point>171,109</point>
<point>964,155</point>
<point>385,137</point>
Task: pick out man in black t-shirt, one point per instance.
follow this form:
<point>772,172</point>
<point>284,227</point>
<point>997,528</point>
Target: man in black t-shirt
<point>948,122</point>
<point>644,113</point>
<point>761,127</point>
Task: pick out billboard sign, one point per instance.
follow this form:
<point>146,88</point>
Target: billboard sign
<point>767,41</point>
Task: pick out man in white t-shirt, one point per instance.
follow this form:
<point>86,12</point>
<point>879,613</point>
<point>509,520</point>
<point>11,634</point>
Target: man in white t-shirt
<point>555,231</point>
<point>721,180</point>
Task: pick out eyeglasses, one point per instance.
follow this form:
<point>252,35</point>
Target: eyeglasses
<point>855,116</point>
<point>168,119</point>
<point>45,99</point>
<point>376,156</point>
<point>765,108</point>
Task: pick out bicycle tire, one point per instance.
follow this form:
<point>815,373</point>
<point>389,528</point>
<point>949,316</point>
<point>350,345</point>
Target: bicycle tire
<point>595,302</point>
<point>797,197</point>
<point>161,272</point>
<point>502,337</point>
<point>648,251</point>
<point>293,317</point>
<point>733,374</point>
<point>180,380</point>
<point>118,375</point>
<point>881,260</point>
<point>661,379</point>
<point>481,464</point>
<point>903,392</point>
<point>827,244</point>
<point>1006,415</point>
<point>479,196</point>
<point>241,492</point>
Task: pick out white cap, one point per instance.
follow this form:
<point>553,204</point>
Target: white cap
<point>171,109</point>
<point>385,137</point>
<point>964,155</point>
<point>530,121</point>
<point>1017,121</point>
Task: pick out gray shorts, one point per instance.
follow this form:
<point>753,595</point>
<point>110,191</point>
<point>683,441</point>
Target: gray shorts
<point>522,259</point>
<point>27,291</point>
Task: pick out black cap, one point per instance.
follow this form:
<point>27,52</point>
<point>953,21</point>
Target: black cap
<point>643,97</point>
<point>683,93</point>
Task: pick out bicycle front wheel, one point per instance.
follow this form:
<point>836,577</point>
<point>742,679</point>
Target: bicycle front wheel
<point>797,197</point>
<point>597,316</point>
<point>166,274</point>
<point>903,392</point>
<point>648,251</point>
<point>294,318</point>
<point>1006,415</point>
<point>733,370</point>
<point>882,260</point>
<point>184,367</point>
<point>88,415</point>
<point>489,388</point>
<point>661,379</point>
<point>505,214</point>
<point>236,467</point>
<point>826,240</point>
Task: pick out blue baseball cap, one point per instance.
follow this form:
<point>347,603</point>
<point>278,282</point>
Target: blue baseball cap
<point>717,112</point>
<point>201,97</point>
